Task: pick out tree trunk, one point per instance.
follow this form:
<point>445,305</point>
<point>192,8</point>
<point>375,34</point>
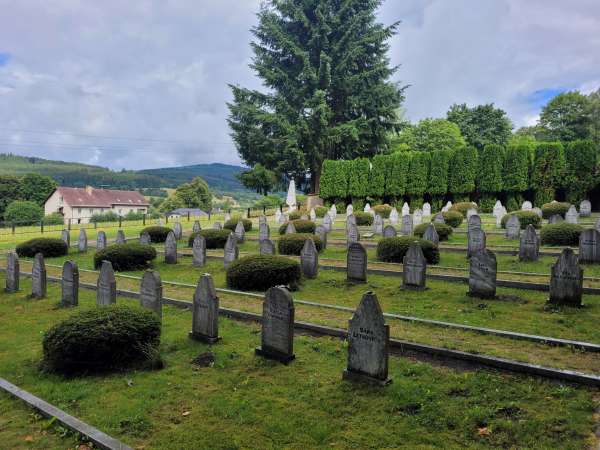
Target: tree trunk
<point>315,180</point>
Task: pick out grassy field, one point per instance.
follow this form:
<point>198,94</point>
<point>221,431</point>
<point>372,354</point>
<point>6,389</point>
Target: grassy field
<point>246,402</point>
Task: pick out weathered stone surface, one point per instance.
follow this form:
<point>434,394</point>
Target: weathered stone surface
<point>405,209</point>
<point>218,226</point>
<point>394,216</point>
<point>205,311</point>
<point>240,232</point>
<point>417,217</point>
<point>327,222</point>
<point>406,229</point>
<point>439,218</point>
<point>572,216</point>
<point>177,230</point>
<point>349,209</point>
<point>309,259</point>
<point>231,251</point>
<point>196,227</point>
<point>476,241</point>
<point>120,239</point>
<point>589,246</point>
<point>70,285</point>
<point>426,209</point>
<point>106,287</point>
<point>262,219</point>
<point>414,268</point>
<point>368,343</point>
<point>555,218</point>
<point>151,292</point>
<point>171,248</point>
<point>65,236</point>
<point>356,263</point>
<point>101,240</point>
<point>566,280</point>
<point>13,270</point>
<point>471,212</point>
<point>333,212</point>
<point>145,238</point>
<point>513,227</point>
<point>447,207</point>
<point>377,224</point>
<point>39,281</point>
<point>482,274</point>
<point>529,245</point>
<point>277,338</point>
<point>264,232</point>
<point>538,211</point>
<point>389,231</point>
<point>431,234</point>
<point>497,210</point>
<point>266,247</point>
<point>585,208</point>
<point>367,208</point>
<point>278,215</point>
<point>283,218</point>
<point>322,231</point>
<point>474,222</point>
<point>290,228</point>
<point>313,214</point>
<point>351,219</point>
<point>199,251</point>
<point>82,241</point>
<point>352,233</point>
<point>526,206</point>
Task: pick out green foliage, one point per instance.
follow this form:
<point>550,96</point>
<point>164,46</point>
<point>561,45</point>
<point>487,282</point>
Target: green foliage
<point>55,218</point>
<point>553,208</point>
<point>194,194</point>
<point>49,247</point>
<point>363,218</point>
<point>22,212</point>
<point>267,201</point>
<point>109,216</point>
<point>259,179</point>
<point>295,215</point>
<point>396,179</point>
<point>320,211</point>
<point>383,210</point>
<point>548,170</point>
<point>431,135</point>
<point>463,207</point>
<point>525,218</point>
<point>102,339</point>
<point>393,249</point>
<point>581,166</point>
<point>291,244</point>
<point>9,191</point>
<point>301,226</point>
<point>128,256</point>
<point>334,179</point>
<point>438,172</point>
<point>491,164</point>
<point>416,184</point>
<point>561,234</point>
<point>514,202</point>
<point>358,179</point>
<point>482,124</point>
<point>261,272</point>
<point>232,223</point>
<point>516,166</point>
<point>452,218</point>
<point>487,202</point>
<point>463,170</point>
<point>444,231</point>
<point>378,175</point>
<point>214,238</point>
<point>566,117</point>
<point>36,188</point>
<point>158,234</point>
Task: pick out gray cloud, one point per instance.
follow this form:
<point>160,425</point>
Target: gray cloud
<point>158,71</point>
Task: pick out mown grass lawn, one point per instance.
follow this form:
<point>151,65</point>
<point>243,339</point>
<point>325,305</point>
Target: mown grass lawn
<point>246,402</point>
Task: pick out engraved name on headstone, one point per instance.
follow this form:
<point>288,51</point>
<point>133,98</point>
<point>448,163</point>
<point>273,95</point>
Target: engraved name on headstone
<point>309,259</point>
<point>205,311</point>
<point>277,337</point>
<point>414,268</point>
<point>589,246</point>
<point>151,292</point>
<point>106,287</point>
<point>171,248</point>
<point>585,208</point>
<point>70,285</point>
<point>482,274</point>
<point>356,263</point>
<point>39,281</point>
<point>529,245</point>
<point>566,280</point>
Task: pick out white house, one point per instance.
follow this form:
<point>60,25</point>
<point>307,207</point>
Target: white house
<point>79,204</point>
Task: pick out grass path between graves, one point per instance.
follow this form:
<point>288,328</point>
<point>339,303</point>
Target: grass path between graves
<point>246,402</point>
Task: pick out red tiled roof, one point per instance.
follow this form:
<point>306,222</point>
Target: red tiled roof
<point>104,198</point>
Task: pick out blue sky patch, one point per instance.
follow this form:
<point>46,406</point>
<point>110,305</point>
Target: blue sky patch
<point>4,57</point>
<point>541,97</point>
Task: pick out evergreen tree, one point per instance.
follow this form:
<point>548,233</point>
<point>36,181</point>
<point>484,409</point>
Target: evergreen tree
<point>581,161</point>
<point>463,171</point>
<point>438,173</point>
<point>358,178</point>
<point>418,177</point>
<point>378,175</point>
<point>396,179</point>
<point>325,65</point>
<point>548,171</point>
<point>490,168</point>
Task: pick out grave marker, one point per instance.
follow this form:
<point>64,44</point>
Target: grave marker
<point>313,214</point>
<point>266,247</point>
<point>196,228</point>
<point>217,226</point>
<point>482,274</point>
<point>199,251</point>
<point>474,222</point>
<point>177,230</point>
<point>389,231</point>
<point>309,259</point>
<point>101,240</point>
<point>377,224</point>
<point>264,232</point>
<point>471,212</point>
<point>240,232</point>
<point>394,216</point>
<point>513,227</point>
<point>417,217</point>
<point>439,218</point>
<point>538,211</point>
<point>151,291</point>
<point>106,286</point>
<point>589,246</point>
<point>277,338</point>
<point>585,208</point>
<point>321,231</point>
<point>572,216</point>
<point>82,241</point>
<point>262,219</point>
<point>231,251</point>
<point>290,229</point>
<point>352,233</point>
<point>205,312</point>
<point>349,210</point>
<point>70,285</point>
<point>351,219</point>
<point>13,270</point>
<point>356,263</point>
<point>39,281</point>
<point>171,248</point>
<point>65,236</point>
<point>226,217</point>
<point>476,241</point>
<point>405,209</point>
<point>406,229</point>
<point>327,222</point>
<point>426,209</point>
<point>566,280</point>
<point>367,208</point>
<point>145,238</point>
<point>526,206</point>
<point>431,234</point>
<point>414,268</point>
<point>555,218</point>
<point>529,245</point>
<point>120,237</point>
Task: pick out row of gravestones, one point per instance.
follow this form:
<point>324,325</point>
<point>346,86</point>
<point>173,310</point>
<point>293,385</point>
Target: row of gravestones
<point>82,239</point>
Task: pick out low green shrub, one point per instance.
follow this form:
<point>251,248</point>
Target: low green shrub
<point>550,209</point>
<point>109,216</point>
<point>363,218</point>
<point>21,213</point>
<point>452,218</point>
<point>561,234</point>
<point>158,234</point>
<point>444,231</point>
<point>525,217</point>
<point>103,339</point>
<point>393,249</point>
<point>301,226</point>
<point>128,256</point>
<point>260,272</point>
<point>214,238</point>
<point>383,210</point>
<point>291,244</point>
<point>320,211</point>
<point>232,223</point>
<point>296,214</point>
<point>463,207</point>
<point>49,247</point>
<point>55,218</point>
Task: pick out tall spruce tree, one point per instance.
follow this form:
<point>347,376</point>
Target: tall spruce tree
<point>325,66</point>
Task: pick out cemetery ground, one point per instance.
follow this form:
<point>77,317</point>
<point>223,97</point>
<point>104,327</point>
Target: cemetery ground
<point>246,401</point>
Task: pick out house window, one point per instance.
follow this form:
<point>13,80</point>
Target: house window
<point>60,199</point>
<point>79,211</point>
<point>91,211</point>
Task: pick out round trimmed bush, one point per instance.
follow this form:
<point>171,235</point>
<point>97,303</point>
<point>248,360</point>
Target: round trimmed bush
<point>260,272</point>
<point>393,249</point>
<point>363,218</point>
<point>55,218</point>
<point>49,247</point>
<point>444,231</point>
<point>291,244</point>
<point>550,209</point>
<point>525,217</point>
<point>158,234</point>
<point>463,207</point>
<point>561,234</point>
<point>103,339</point>
<point>295,215</point>
<point>232,223</point>
<point>214,238</point>
<point>320,211</point>
<point>302,226</point>
<point>128,256</point>
<point>452,218</point>
<point>383,210</point>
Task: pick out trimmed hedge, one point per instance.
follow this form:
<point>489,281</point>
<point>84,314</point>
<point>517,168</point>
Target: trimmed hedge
<point>128,256</point>
<point>320,211</point>
<point>452,218</point>
<point>295,215</point>
<point>302,226</point>
<point>444,231</point>
<point>463,207</point>
<point>214,238</point>
<point>291,244</point>
<point>383,210</point>
<point>260,272</point>
<point>393,249</point>
<point>158,234</point>
<point>561,234</point>
<point>232,223</point>
<point>363,218</point>
<point>525,217</point>
<point>550,209</point>
<point>49,247</point>
<point>103,339</point>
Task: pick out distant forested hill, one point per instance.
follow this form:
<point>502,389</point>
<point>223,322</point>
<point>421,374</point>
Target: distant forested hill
<point>220,177</point>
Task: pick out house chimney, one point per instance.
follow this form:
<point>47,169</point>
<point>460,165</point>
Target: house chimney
<point>89,190</point>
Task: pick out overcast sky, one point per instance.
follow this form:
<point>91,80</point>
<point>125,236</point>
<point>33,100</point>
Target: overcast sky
<point>141,84</point>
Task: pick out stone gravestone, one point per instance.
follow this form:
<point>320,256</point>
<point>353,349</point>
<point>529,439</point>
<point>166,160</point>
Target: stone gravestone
<point>264,232</point>
<point>529,245</point>
<point>414,268</point>
<point>566,280</point>
<point>199,251</point>
<point>313,214</point>
<point>333,212</point>
<point>482,274</point>
<point>589,246</point>
<point>447,207</point>
<point>309,259</point>
<point>13,270</point>
<point>476,241</point>
<point>266,247</point>
<point>39,281</point>
<point>351,219</point>
<point>377,224</point>
<point>226,217</point>
<point>555,218</point>
<point>171,248</point>
<point>349,210</point>
<point>120,237</point>
<point>394,216</point>
<point>106,287</point>
<point>426,209</point>
<point>585,208</point>
<point>277,215</point>
<point>327,222</point>
<point>240,232</point>
<point>572,216</point>
<point>471,212</point>
<point>389,231</point>
<point>405,209</point>
<point>439,218</point>
<point>205,312</point>
<point>321,231</point>
<point>500,216</point>
<point>196,227</point>
<point>367,208</point>
<point>177,230</point>
<point>283,218</point>
<point>538,211</point>
<point>356,263</point>
<point>526,206</point>
<point>497,211</point>
<point>217,226</point>
<point>70,285</point>
<point>277,337</point>
<point>406,229</point>
<point>101,240</point>
<point>231,251</point>
<point>598,225</point>
<point>368,344</point>
<point>513,227</point>
<point>352,234</point>
<point>474,222</point>
<point>82,241</point>
<point>290,229</point>
<point>431,234</point>
<point>262,219</point>
<point>65,236</point>
<point>417,217</point>
<point>145,238</point>
<point>151,292</point>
